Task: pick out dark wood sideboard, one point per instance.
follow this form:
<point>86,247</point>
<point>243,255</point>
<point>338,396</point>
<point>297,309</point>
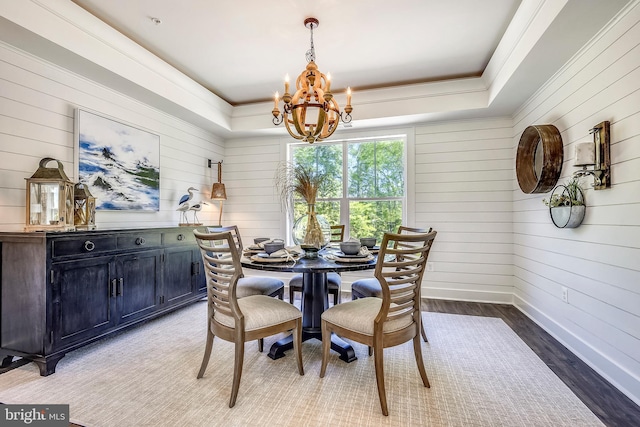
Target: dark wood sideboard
<point>62,290</point>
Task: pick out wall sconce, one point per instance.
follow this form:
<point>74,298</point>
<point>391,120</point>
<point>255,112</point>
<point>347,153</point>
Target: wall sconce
<point>218,192</point>
<point>596,154</point>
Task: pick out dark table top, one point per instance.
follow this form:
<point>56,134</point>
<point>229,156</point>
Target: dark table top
<point>304,265</point>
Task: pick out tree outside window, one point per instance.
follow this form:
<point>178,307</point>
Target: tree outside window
<point>367,187</point>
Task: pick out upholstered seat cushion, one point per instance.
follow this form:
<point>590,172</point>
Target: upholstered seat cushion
<point>333,280</point>
<point>261,311</point>
<point>367,287</point>
<point>358,316</point>
<point>257,285</point>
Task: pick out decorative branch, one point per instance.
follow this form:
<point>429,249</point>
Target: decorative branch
<point>294,179</point>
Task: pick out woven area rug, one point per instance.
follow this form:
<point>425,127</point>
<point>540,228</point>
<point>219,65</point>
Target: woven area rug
<point>481,374</point>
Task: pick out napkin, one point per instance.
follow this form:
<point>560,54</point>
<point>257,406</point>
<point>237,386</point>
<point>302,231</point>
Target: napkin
<point>289,250</point>
<point>364,251</point>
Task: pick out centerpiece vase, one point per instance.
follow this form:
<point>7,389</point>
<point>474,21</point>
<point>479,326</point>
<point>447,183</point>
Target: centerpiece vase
<point>312,229</point>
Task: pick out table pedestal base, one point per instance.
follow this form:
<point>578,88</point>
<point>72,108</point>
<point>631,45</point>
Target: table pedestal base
<point>337,344</point>
<point>314,302</point>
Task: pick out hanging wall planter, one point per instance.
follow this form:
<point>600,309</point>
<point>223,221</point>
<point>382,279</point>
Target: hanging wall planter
<point>567,216</point>
<point>566,205</point>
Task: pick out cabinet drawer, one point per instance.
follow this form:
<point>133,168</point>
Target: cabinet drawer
<point>139,240</point>
<point>179,237</point>
<point>82,246</point>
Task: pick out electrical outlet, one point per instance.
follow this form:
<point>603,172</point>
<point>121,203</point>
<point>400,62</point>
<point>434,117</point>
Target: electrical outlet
<point>565,294</point>
<point>430,266</point>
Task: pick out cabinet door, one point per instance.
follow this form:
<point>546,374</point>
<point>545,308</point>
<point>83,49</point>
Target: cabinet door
<point>201,278</point>
<point>181,268</point>
<point>82,305</point>
<point>138,280</point>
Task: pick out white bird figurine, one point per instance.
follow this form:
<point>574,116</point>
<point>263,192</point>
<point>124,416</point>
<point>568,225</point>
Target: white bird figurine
<point>197,207</point>
<point>184,205</point>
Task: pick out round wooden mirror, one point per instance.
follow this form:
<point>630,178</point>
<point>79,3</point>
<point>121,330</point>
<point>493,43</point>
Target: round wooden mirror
<point>539,158</point>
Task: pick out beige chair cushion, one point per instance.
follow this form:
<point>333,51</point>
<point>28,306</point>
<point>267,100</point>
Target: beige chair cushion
<point>358,316</point>
<point>257,285</point>
<point>261,311</point>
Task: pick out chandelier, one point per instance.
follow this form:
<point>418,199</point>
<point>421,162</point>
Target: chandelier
<point>312,113</point>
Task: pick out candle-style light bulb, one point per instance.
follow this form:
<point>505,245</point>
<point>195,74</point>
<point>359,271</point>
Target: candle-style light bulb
<point>286,83</point>
<point>276,99</point>
<point>328,82</point>
<point>349,96</point>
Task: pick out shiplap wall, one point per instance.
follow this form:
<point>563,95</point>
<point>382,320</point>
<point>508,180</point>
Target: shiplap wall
<point>37,104</point>
<point>253,204</point>
<point>599,262</point>
<point>463,189</point>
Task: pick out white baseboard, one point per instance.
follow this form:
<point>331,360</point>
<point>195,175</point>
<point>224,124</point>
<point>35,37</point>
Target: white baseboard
<point>625,381</point>
<point>468,295</point>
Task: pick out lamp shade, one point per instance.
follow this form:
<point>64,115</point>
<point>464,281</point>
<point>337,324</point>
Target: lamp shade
<point>585,154</point>
<point>218,191</point>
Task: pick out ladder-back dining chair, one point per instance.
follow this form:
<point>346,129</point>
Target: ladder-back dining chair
<point>252,285</point>
<point>392,319</point>
<point>334,281</point>
<point>239,320</point>
<point>370,287</point>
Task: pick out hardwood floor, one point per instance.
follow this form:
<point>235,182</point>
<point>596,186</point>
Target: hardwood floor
<point>612,407</point>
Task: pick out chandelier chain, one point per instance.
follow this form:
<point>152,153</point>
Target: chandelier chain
<point>311,53</point>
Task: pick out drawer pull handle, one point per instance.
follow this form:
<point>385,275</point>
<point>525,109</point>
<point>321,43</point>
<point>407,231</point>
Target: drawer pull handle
<point>89,245</point>
<point>180,237</point>
<point>140,241</point>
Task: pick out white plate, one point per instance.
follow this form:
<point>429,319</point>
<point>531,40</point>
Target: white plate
<point>343,255</point>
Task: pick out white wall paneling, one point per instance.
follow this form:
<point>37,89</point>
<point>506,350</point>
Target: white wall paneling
<point>37,107</point>
<point>253,204</point>
<point>464,185</point>
<point>599,262</point>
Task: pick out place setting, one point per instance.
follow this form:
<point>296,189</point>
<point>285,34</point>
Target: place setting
<point>266,250</point>
<point>258,246</point>
<point>355,251</point>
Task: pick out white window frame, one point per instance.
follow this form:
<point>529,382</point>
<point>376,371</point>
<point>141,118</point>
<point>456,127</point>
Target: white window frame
<point>408,203</point>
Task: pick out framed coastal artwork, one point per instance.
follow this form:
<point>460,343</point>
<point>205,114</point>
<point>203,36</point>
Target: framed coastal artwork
<point>120,163</point>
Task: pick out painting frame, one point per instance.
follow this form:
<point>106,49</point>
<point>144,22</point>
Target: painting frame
<point>118,161</point>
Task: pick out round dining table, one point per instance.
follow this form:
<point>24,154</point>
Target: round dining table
<point>314,296</point>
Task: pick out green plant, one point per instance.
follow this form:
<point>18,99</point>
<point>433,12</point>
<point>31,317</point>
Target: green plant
<point>571,195</point>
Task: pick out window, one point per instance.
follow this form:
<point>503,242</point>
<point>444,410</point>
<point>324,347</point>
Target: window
<point>367,184</point>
